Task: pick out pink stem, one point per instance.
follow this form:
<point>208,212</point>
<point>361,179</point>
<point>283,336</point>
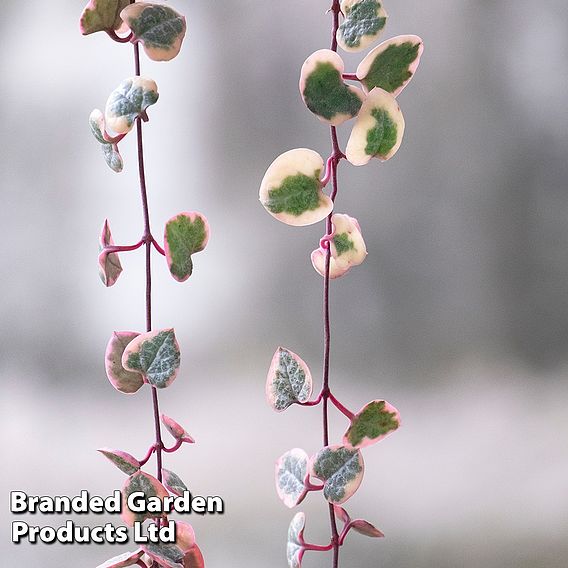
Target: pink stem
<point>115,37</point>
<point>175,447</point>
<point>141,564</point>
<point>317,547</point>
<point>312,487</point>
<point>123,248</point>
<point>340,407</point>
<point>327,175</point>
<point>158,247</point>
<point>148,455</point>
<point>114,140</point>
<point>350,76</point>
<point>325,240</point>
<point>314,402</point>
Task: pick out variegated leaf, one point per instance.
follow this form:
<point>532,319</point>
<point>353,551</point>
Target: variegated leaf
<point>288,380</point>
<point>150,487</point>
<point>291,474</point>
<point>295,545</point>
<point>347,247</point>
<point>159,28</point>
<point>392,64</point>
<point>372,423</point>
<point>378,130</point>
<point>341,470</point>
<point>110,267</point>
<point>291,190</point>
<point>101,15</point>
<point>123,460</point>
<point>176,430</point>
<point>97,125</point>
<point>173,482</point>
<point>365,528</point>
<point>128,101</point>
<point>184,235</point>
<point>323,90</point>
<point>112,157</point>
<point>123,560</point>
<point>156,355</point>
<point>166,555</point>
<point>363,23</point>
<point>121,379</point>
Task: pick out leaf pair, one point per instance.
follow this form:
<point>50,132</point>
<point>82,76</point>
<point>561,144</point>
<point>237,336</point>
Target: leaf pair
<point>339,468</point>
<point>160,29</point>
<point>124,105</point>
<point>133,359</point>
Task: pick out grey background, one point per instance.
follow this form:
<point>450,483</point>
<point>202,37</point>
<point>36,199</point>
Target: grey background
<point>459,316</point>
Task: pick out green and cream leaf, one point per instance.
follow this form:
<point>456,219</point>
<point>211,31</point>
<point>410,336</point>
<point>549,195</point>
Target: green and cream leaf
<point>291,190</point>
<point>173,482</point>
<point>378,130</point>
<point>295,546</point>
<point>110,267</point>
<point>323,90</point>
<point>184,235</point>
<point>129,101</point>
<point>291,473</point>
<point>121,379</point>
<point>363,23</point>
<point>347,247</point>
<point>375,421</point>
<point>159,28</point>
<point>150,487</point>
<point>123,460</point>
<point>156,355</point>
<point>341,470</point>
<point>288,381</point>
<point>102,15</point>
<point>392,64</point>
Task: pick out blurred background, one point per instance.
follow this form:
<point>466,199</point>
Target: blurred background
<point>459,316</point>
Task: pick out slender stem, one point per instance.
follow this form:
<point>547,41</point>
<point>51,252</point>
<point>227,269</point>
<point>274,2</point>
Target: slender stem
<point>314,402</point>
<point>175,447</point>
<point>123,248</point>
<point>148,455</point>
<point>336,156</point>
<point>318,547</point>
<point>158,247</point>
<point>350,76</point>
<point>344,410</point>
<point>148,239</point>
<point>114,36</point>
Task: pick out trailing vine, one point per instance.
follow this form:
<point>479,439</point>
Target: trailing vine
<point>152,358</point>
<point>292,191</point>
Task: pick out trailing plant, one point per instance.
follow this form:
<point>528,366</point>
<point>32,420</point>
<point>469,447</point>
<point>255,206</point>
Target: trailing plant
<point>292,191</point>
<point>149,358</point>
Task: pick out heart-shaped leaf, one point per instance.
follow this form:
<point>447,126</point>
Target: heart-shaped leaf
<point>173,482</point>
<point>123,560</point>
<point>122,380</point>
<point>288,380</point>
<point>364,21</point>
<point>150,487</point>
<point>154,354</point>
<point>291,190</point>
<point>366,528</point>
<point>109,263</point>
<point>101,15</point>
<point>291,473</point>
<point>128,101</point>
<point>112,157</point>
<point>324,91</point>
<point>184,235</point>
<point>193,558</point>
<point>123,460</point>
<point>159,28</point>
<point>341,470</point>
<point>347,247</point>
<point>295,545</point>
<point>391,64</point>
<point>176,430</point>
<point>378,130</point>
<point>372,423</point>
